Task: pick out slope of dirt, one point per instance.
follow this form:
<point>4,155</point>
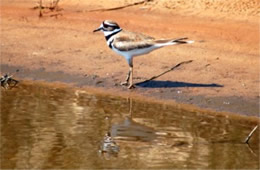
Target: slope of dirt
<point>224,74</point>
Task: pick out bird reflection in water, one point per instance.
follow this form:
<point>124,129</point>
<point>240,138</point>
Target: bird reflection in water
<point>108,146</point>
<point>127,130</point>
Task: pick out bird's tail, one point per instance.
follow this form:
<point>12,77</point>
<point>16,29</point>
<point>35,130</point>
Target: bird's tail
<point>162,43</point>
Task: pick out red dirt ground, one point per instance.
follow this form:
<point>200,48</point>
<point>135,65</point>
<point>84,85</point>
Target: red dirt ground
<point>226,51</point>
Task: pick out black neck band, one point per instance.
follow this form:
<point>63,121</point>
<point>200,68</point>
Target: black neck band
<point>110,35</point>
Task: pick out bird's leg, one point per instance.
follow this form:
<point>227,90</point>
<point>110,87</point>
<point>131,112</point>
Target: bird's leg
<point>125,83</point>
<point>131,78</point>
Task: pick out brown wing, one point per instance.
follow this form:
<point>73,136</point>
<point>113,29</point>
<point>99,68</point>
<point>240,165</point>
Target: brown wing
<point>126,41</point>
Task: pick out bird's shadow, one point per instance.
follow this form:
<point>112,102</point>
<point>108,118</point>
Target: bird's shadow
<point>151,83</point>
<point>173,84</point>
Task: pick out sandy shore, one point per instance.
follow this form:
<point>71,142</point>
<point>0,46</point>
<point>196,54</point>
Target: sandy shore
<point>223,76</point>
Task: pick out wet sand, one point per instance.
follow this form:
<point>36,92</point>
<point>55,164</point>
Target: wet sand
<point>224,74</point>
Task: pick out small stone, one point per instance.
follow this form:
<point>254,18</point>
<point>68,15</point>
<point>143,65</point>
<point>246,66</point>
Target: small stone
<point>227,103</point>
<point>98,82</point>
<point>179,91</point>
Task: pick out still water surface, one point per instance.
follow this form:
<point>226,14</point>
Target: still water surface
<point>48,126</point>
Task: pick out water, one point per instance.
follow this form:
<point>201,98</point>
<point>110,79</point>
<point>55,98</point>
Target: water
<point>50,126</point>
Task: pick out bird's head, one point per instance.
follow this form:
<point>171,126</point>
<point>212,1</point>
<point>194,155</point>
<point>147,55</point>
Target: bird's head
<point>108,27</point>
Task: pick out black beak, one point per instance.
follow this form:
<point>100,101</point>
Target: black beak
<point>98,29</point>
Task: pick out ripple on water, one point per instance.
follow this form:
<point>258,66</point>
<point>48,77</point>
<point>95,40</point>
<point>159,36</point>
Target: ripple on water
<point>52,126</point>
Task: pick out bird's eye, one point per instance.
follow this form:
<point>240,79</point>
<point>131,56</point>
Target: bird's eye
<point>105,25</point>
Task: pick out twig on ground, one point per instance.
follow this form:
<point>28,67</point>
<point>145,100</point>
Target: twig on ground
<point>53,7</point>
<point>120,7</point>
<point>171,69</point>
<point>8,82</point>
<point>40,6</point>
<point>250,134</point>
<point>56,15</point>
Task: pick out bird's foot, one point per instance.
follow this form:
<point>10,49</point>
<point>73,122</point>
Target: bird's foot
<point>125,83</point>
<point>131,86</point>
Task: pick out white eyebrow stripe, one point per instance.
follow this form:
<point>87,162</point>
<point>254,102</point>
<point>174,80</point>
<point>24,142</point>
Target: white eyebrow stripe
<point>110,24</point>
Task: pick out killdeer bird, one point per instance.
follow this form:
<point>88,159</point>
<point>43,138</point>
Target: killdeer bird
<point>131,44</point>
